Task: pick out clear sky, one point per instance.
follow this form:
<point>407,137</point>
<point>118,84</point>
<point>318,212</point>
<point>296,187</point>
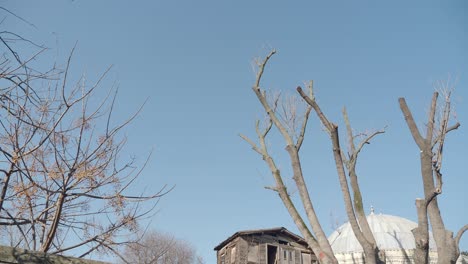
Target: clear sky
<point>193,59</point>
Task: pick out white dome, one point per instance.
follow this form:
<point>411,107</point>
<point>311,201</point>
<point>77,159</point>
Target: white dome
<point>390,233</point>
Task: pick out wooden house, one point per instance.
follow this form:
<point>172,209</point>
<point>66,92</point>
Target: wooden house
<point>264,246</point>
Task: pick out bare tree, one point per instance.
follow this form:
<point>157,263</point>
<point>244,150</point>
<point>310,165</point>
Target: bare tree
<point>431,152</point>
<point>63,185</point>
<point>160,248</point>
<point>345,165</point>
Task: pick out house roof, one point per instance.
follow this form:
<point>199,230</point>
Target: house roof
<point>272,231</point>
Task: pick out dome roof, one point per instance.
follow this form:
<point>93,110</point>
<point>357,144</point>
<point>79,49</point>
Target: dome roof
<point>390,233</point>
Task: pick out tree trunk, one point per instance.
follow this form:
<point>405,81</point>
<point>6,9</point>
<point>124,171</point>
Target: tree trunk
<point>447,248</point>
<point>371,251</point>
<point>305,198</point>
<point>55,223</point>
<point>421,234</point>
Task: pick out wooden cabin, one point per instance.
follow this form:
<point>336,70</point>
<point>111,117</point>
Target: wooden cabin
<point>264,246</point>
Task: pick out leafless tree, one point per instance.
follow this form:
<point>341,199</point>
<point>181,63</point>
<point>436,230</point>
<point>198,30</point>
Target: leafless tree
<point>345,163</point>
<point>63,185</point>
<point>431,152</point>
<point>160,248</point>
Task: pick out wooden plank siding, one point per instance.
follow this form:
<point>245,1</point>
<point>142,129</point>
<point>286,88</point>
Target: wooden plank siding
<point>264,246</point>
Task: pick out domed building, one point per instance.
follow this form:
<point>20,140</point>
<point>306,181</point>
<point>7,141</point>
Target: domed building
<point>392,234</point>
<point>280,246</point>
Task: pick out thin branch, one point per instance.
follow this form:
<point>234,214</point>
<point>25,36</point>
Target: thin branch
<point>261,68</point>
<point>305,120</point>
<point>251,143</point>
<point>449,129</point>
<point>18,17</point>
<point>368,139</point>
<point>431,118</point>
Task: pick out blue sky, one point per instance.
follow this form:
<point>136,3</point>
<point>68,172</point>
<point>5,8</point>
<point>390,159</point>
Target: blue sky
<point>193,59</point>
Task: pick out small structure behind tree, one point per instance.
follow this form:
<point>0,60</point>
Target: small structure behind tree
<point>264,246</point>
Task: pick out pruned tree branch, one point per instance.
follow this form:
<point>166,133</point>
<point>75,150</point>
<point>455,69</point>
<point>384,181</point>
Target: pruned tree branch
<point>319,244</point>
<point>431,153</point>
<point>410,122</point>
<point>354,210</point>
